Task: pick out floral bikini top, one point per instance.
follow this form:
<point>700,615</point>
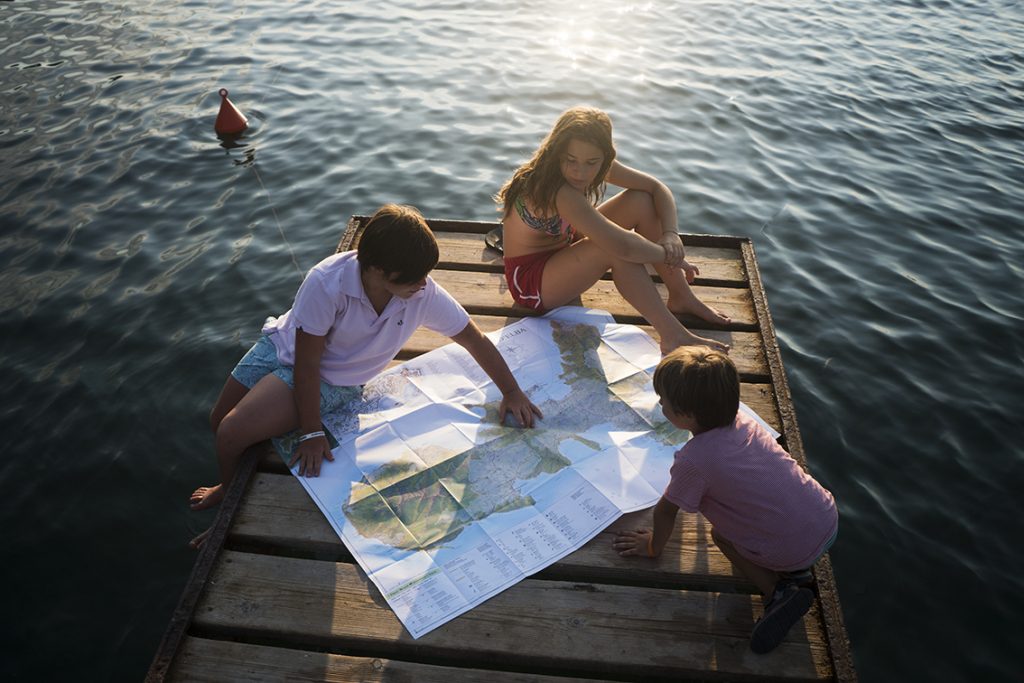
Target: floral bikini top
<point>556,226</point>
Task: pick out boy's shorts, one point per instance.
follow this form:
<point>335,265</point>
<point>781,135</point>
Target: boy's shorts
<point>828,544</point>
<point>261,360</point>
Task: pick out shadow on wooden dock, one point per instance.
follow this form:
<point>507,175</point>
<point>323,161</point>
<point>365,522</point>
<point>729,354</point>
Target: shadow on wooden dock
<point>275,595</point>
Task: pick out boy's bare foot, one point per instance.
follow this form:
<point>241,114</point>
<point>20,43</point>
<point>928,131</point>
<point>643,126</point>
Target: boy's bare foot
<point>691,339</point>
<point>197,542</point>
<point>206,497</point>
<point>688,303</point>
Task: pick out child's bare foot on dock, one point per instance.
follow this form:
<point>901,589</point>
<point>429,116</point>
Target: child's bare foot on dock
<point>206,497</point>
<point>691,339</point>
<point>690,304</point>
<point>197,542</point>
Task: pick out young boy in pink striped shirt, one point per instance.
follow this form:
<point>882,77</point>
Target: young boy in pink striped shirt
<point>768,516</point>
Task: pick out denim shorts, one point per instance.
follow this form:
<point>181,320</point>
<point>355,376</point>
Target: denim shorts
<point>261,360</point>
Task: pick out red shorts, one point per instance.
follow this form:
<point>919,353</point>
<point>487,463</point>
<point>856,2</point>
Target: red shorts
<point>523,275</point>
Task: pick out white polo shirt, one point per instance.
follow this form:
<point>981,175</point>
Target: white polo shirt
<point>331,302</point>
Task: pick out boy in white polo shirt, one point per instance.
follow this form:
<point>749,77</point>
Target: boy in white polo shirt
<point>352,314</point>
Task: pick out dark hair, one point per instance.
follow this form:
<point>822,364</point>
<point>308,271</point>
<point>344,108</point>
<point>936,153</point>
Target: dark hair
<point>694,380</point>
<point>397,240</point>
<point>540,178</point>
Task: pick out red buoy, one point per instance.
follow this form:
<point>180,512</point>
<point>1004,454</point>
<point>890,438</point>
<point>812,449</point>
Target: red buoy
<point>229,119</point>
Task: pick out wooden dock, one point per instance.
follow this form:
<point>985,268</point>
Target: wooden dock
<point>275,595</point>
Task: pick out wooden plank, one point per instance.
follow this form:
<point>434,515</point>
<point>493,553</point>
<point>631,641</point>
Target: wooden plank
<point>221,661</point>
<point>357,223</point>
<point>278,515</point>
<point>761,398</point>
<point>467,251</point>
<point>555,626</point>
<point>690,559</point>
<point>487,293</point>
<point>747,351</point>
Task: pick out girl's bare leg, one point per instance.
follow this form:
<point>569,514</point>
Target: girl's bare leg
<point>634,210</point>
<point>265,411</point>
<point>574,269</point>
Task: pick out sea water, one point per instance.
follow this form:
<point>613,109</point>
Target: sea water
<point>872,151</point>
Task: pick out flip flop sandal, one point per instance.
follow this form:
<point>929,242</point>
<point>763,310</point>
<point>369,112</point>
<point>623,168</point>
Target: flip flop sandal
<point>493,240</point>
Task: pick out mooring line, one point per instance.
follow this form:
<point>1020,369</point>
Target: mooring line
<point>280,229</point>
<point>771,220</point>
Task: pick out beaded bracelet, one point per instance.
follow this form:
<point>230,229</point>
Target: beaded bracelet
<point>311,435</point>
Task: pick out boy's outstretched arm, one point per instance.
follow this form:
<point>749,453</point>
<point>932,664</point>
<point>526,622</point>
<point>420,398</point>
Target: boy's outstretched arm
<point>309,453</point>
<point>647,542</point>
<point>486,354</point>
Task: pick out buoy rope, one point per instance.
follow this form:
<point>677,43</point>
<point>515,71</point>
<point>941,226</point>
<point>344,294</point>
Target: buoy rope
<point>273,211</point>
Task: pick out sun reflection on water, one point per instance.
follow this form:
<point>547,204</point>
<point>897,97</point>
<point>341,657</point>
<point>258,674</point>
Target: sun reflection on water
<point>583,36</point>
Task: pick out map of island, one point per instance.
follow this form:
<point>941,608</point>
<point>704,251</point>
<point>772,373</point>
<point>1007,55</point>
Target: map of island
<point>443,507</point>
<point>418,506</point>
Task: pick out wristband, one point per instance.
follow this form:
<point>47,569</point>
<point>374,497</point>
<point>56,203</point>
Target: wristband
<point>650,546</point>
<point>311,435</point>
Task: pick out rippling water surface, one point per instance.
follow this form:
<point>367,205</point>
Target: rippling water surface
<point>871,149</point>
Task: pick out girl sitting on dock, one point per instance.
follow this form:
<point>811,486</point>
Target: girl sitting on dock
<point>352,314</point>
<point>768,516</point>
<point>558,241</point>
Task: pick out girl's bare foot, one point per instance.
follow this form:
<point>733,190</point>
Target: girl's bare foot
<point>206,497</point>
<point>688,303</point>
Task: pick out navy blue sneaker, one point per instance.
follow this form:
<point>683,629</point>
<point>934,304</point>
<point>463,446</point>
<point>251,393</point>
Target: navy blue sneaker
<point>788,604</point>
<point>803,578</point>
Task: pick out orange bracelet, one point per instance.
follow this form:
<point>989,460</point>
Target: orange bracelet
<point>650,546</point>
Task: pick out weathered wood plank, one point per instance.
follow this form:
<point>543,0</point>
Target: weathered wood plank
<point>278,514</point>
<point>643,633</point>
<point>747,351</point>
<point>689,560</point>
<point>438,225</point>
<point>464,251</point>
<point>223,661</point>
<point>761,398</point>
<point>488,293</point>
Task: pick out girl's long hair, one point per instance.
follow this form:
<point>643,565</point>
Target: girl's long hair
<point>540,178</point>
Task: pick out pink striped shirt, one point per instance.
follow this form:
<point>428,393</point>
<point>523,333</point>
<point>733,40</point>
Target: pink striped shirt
<point>754,494</point>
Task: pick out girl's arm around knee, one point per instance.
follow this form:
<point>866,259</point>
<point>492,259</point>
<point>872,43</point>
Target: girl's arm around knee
<point>487,356</point>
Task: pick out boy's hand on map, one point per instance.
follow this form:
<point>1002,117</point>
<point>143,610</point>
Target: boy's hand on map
<point>309,454</point>
<point>635,543</point>
<point>520,406</point>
